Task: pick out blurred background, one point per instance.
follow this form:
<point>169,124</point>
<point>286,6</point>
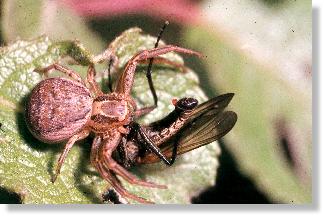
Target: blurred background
<point>260,50</point>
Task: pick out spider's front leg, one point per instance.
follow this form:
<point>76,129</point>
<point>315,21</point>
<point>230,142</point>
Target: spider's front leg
<point>126,80</point>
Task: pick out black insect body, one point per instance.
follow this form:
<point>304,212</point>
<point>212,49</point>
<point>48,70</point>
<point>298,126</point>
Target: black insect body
<point>187,127</point>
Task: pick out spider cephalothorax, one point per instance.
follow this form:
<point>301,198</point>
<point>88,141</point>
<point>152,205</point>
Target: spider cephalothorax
<point>111,111</point>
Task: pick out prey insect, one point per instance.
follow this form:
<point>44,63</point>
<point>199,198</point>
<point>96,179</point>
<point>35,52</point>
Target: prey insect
<point>187,127</point>
<point>62,109</point>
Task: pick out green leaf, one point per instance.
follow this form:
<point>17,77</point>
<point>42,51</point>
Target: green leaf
<point>26,164</point>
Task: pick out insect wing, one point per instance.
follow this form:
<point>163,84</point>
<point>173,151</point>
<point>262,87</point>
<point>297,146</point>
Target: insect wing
<point>204,131</point>
<point>212,106</point>
<point>208,126</point>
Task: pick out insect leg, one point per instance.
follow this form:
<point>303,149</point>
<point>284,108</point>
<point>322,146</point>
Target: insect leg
<point>151,146</point>
<point>63,69</point>
<point>81,135</point>
<point>112,64</point>
<point>109,74</point>
<point>110,56</point>
<point>149,68</point>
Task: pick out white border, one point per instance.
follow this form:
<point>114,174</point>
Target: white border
<point>314,209</point>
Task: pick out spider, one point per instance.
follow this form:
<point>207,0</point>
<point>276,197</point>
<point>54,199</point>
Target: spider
<point>66,109</point>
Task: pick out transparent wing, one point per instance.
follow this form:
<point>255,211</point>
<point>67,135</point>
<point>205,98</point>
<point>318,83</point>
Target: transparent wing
<point>206,126</point>
<point>212,106</point>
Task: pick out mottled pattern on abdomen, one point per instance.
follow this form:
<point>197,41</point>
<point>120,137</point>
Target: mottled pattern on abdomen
<point>57,109</point>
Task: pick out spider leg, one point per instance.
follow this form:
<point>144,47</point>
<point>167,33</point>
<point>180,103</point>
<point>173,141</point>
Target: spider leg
<point>124,193</point>
<point>108,146</point>
<point>164,61</point>
<point>111,164</point>
<point>125,82</point>
<point>91,74</point>
<point>108,175</point>
<point>94,150</point>
<point>143,111</point>
<point>81,135</point>
<point>116,184</point>
<point>63,69</point>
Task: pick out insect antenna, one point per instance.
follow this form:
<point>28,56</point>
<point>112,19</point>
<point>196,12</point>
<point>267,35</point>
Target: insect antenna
<point>149,68</point>
<point>109,74</point>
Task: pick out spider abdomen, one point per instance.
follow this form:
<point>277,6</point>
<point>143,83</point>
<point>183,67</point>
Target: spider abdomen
<point>57,109</point>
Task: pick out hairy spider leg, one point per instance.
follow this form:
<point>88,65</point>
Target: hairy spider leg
<point>148,72</point>
<point>91,74</point>
<point>125,82</point>
<point>109,145</point>
<point>108,175</point>
<point>94,150</point>
<point>79,136</point>
<point>124,193</point>
<point>63,69</point>
<point>165,61</point>
<point>159,60</point>
<point>116,184</point>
